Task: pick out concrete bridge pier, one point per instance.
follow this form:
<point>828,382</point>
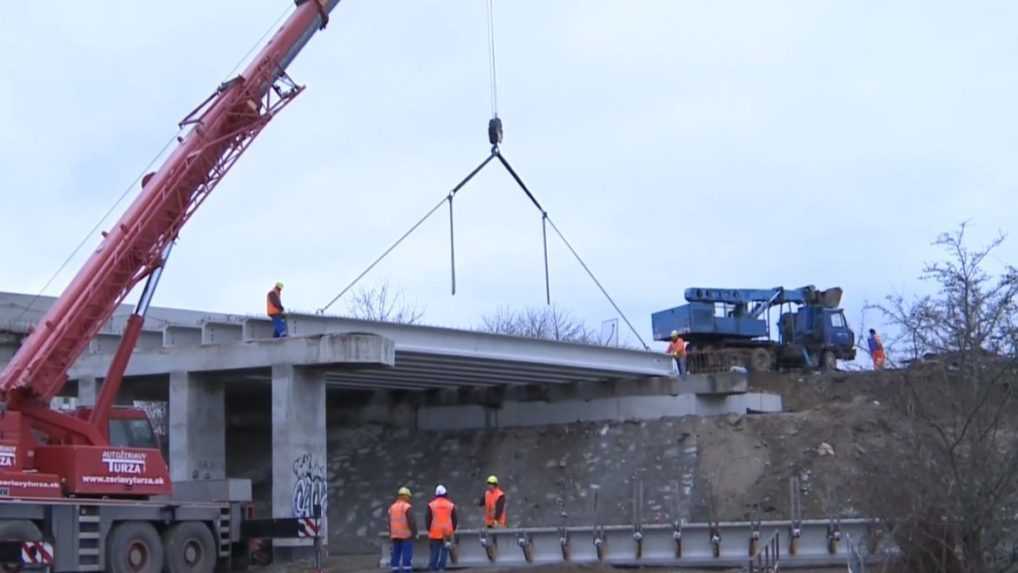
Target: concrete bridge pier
<point>299,474</point>
<point>197,424</point>
<point>88,390</point>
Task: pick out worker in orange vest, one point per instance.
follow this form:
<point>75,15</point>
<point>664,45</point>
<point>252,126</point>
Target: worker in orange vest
<point>440,520</point>
<point>493,501</point>
<point>274,308</point>
<point>876,350</point>
<point>402,531</point>
<point>677,350</point>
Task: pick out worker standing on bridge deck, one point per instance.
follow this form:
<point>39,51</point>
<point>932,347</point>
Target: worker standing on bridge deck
<point>677,350</point>
<point>876,350</point>
<point>440,520</point>
<point>493,501</point>
<point>274,308</point>
<point>402,531</point>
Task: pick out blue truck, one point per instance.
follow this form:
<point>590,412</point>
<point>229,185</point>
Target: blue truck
<point>733,326</point>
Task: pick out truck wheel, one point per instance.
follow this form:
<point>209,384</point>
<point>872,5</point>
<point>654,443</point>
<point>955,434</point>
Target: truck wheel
<point>15,530</point>
<point>19,530</point>
<point>828,361</point>
<point>134,547</point>
<point>760,360</point>
<point>190,548</point>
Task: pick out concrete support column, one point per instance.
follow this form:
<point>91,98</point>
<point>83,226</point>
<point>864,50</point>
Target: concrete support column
<point>197,427</point>
<point>298,452</point>
<point>88,390</point>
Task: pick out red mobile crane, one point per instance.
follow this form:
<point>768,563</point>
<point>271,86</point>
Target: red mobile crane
<point>101,452</point>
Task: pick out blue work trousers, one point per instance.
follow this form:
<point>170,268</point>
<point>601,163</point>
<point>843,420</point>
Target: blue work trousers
<point>402,555</point>
<point>680,365</point>
<point>439,555</point>
<point>278,326</point>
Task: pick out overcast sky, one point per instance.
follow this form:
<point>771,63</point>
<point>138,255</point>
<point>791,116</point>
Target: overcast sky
<point>677,144</point>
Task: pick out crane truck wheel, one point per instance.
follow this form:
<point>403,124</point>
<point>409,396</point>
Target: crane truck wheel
<point>190,548</point>
<point>760,360</point>
<point>17,530</point>
<point>134,547</point>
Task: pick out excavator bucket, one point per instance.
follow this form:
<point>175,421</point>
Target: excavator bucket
<point>831,298</point>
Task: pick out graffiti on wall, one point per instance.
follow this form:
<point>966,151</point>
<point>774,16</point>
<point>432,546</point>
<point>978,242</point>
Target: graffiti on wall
<point>309,486</point>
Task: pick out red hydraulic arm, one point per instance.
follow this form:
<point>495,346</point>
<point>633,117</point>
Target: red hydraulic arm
<point>220,130</point>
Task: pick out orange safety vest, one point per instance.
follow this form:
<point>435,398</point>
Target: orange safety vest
<point>441,518</point>
<point>399,525</point>
<point>271,309</point>
<point>491,498</point>
<point>677,347</point>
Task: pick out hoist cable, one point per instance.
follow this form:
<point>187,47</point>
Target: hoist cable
<point>598,283</point>
<point>544,241</point>
<point>544,215</point>
<point>491,58</point>
<point>413,228</point>
<point>95,228</point>
<point>452,247</point>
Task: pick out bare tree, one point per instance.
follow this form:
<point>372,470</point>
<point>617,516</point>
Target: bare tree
<point>547,322</point>
<point>385,305</point>
<point>971,313</point>
<point>945,481</point>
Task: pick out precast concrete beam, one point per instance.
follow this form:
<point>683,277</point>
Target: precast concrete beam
<point>332,350</point>
<point>256,328</point>
<point>107,342</point>
<point>221,332</point>
<point>181,336</point>
<point>104,344</point>
<point>439,341</point>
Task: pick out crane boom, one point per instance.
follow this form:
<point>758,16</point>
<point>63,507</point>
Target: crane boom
<point>219,131</point>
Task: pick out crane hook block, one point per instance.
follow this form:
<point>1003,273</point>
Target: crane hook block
<point>495,131</point>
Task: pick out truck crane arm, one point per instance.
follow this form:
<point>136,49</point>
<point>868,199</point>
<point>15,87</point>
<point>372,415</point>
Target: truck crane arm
<point>219,131</point>
<point>73,456</point>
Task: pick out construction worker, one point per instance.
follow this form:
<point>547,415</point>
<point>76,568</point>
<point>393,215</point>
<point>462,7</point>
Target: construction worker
<point>677,350</point>
<point>876,350</point>
<point>493,502</point>
<point>440,520</point>
<point>402,531</point>
<point>274,308</point>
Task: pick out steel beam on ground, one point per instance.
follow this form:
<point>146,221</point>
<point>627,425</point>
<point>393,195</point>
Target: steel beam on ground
<point>660,545</point>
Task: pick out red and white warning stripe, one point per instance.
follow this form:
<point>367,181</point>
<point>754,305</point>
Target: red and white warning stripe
<point>36,553</point>
<point>308,527</point>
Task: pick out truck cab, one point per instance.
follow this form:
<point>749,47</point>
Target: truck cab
<point>822,332</point>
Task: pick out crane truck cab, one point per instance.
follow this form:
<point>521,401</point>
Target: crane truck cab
<point>816,336</point>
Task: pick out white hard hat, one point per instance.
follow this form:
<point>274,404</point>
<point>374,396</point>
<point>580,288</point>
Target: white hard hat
<point>675,333</point>
<point>440,490</point>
